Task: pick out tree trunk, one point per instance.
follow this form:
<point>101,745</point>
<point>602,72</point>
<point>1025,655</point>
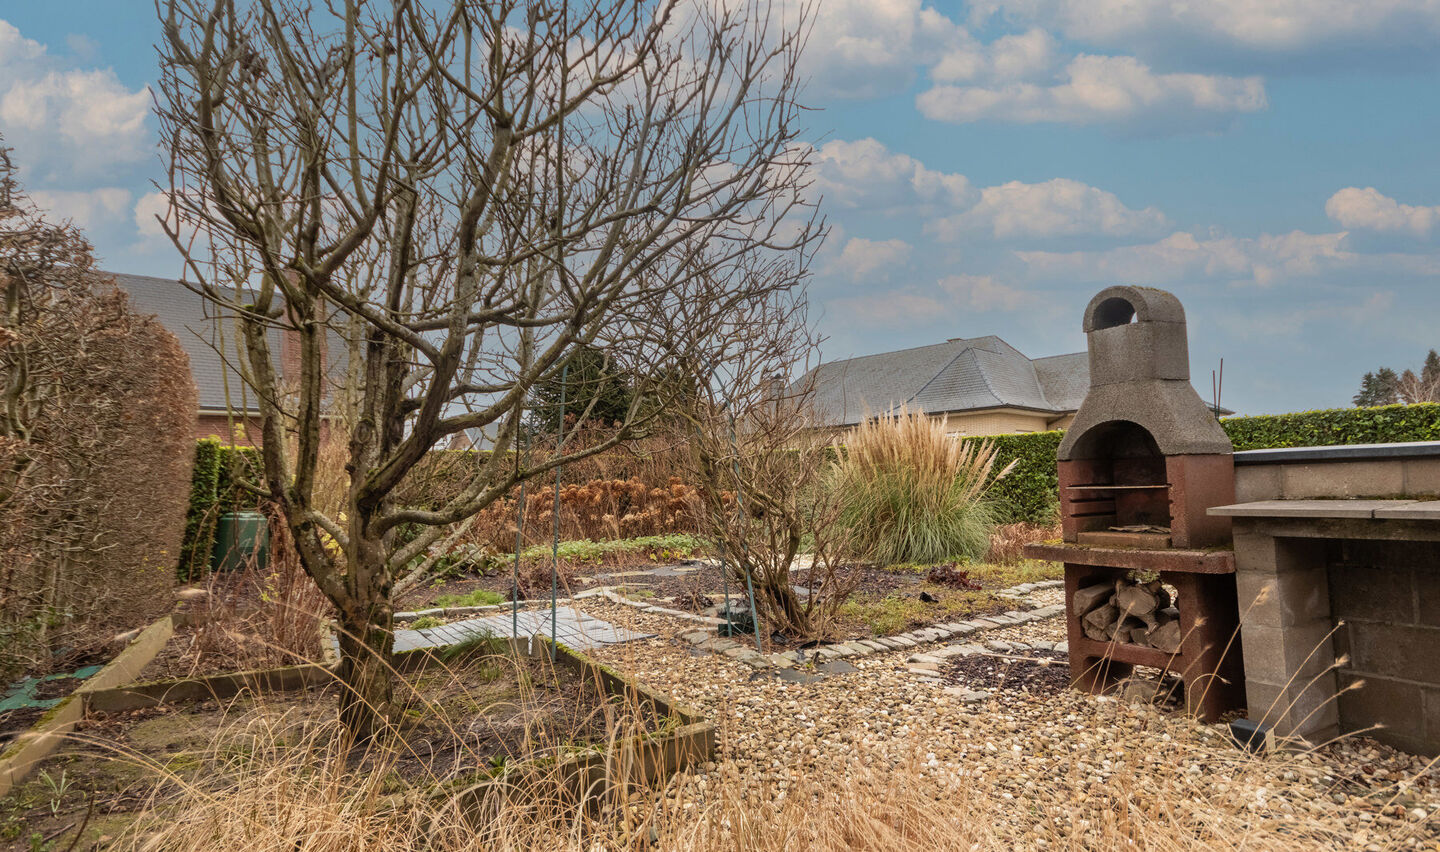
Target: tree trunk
<point>365,670</point>
<point>777,598</point>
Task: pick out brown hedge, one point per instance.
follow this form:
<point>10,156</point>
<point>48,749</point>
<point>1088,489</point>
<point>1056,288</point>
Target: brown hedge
<point>90,534</point>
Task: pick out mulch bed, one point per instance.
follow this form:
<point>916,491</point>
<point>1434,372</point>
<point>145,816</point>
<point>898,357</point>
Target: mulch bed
<point>982,671</point>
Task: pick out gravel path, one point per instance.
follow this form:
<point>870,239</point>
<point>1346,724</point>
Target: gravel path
<point>1047,771</point>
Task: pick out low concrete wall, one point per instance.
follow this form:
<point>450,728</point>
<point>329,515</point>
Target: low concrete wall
<point>1337,555</point>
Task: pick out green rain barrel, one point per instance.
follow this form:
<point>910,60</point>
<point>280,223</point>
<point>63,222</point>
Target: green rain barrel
<point>240,537</point>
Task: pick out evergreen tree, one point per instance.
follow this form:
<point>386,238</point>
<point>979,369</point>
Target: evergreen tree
<point>1388,385</point>
<point>1379,388</point>
<point>1430,373</point>
<point>591,377</point>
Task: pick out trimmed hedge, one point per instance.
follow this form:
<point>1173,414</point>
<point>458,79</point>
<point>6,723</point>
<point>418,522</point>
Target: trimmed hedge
<point>1387,424</point>
<point>1028,492</point>
<point>213,492</point>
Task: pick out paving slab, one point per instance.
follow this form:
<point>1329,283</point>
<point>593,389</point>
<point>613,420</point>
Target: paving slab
<point>572,627</point>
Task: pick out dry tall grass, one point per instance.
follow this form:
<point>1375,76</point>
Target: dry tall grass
<point>310,796</point>
<point>914,494</point>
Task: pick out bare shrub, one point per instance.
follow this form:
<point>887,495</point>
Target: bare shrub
<point>760,472</point>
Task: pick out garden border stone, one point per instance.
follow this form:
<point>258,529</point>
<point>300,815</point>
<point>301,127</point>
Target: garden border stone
<point>38,743</point>
<point>702,640</point>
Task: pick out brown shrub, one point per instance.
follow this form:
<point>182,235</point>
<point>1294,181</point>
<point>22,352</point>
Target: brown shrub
<point>1007,541</point>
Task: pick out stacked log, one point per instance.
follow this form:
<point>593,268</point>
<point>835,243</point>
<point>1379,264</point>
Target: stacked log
<point>1129,612</point>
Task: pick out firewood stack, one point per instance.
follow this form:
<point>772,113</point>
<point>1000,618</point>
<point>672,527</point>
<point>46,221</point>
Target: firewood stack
<point>1129,612</point>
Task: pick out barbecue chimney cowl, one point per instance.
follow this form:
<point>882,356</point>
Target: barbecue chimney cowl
<point>1140,374</point>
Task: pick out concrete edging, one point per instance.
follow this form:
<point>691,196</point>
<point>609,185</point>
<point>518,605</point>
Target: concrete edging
<point>646,758</point>
<point>45,736</point>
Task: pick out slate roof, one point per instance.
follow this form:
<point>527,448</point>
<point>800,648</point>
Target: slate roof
<point>195,321</point>
<point>955,376</point>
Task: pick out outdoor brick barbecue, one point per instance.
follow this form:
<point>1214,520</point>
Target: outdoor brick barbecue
<point>1138,469</point>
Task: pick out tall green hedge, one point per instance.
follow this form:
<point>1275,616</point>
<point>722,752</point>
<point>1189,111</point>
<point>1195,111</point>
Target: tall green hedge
<point>1388,424</point>
<point>214,490</point>
<point>1029,492</point>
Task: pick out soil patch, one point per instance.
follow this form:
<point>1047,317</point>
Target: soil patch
<point>13,722</point>
<point>1051,676</point>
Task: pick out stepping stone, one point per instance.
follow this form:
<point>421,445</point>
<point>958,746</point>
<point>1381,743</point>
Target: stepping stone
<point>989,622</point>
<point>901,641</point>
<point>874,646</point>
<point>997,645</point>
<point>836,667</point>
<point>697,637</point>
<point>797,676</point>
<point>969,696</point>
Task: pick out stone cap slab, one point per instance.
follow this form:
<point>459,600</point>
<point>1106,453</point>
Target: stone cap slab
<point>1313,508</point>
<point>1425,510</point>
<point>1340,452</point>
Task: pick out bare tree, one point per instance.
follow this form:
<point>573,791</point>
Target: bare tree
<point>476,191</point>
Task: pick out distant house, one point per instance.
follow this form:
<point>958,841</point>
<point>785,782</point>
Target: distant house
<point>228,407</point>
<point>977,386</point>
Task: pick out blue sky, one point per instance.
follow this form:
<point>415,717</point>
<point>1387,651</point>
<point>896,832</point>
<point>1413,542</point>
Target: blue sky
<point>987,167</point>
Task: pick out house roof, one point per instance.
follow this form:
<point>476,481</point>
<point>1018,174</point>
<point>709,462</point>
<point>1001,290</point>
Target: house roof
<point>195,320</point>
<point>962,374</point>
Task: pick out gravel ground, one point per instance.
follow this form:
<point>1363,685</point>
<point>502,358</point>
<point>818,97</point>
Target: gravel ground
<point>1049,770</point>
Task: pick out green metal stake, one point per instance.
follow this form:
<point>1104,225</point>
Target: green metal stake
<point>555,542</point>
<point>744,542</point>
<point>519,545</point>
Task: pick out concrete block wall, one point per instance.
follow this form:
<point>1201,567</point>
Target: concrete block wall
<point>1340,611</point>
<point>1389,636</point>
<point>1283,592</point>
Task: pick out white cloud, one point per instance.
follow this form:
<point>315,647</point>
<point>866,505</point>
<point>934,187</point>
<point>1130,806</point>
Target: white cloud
<point>151,205</point>
<point>984,293</point>
<point>1094,89</point>
<point>66,123</point>
<point>867,48</point>
<point>1033,54</point>
<point>865,173</point>
<point>1369,209</point>
<point>896,308</point>
<point>862,258</point>
<point>1156,27</point>
<point>1259,261</point>
<point>1058,207</point>
<point>88,209</point>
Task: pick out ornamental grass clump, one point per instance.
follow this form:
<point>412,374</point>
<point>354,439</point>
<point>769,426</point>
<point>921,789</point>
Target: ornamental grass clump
<point>911,493</point>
